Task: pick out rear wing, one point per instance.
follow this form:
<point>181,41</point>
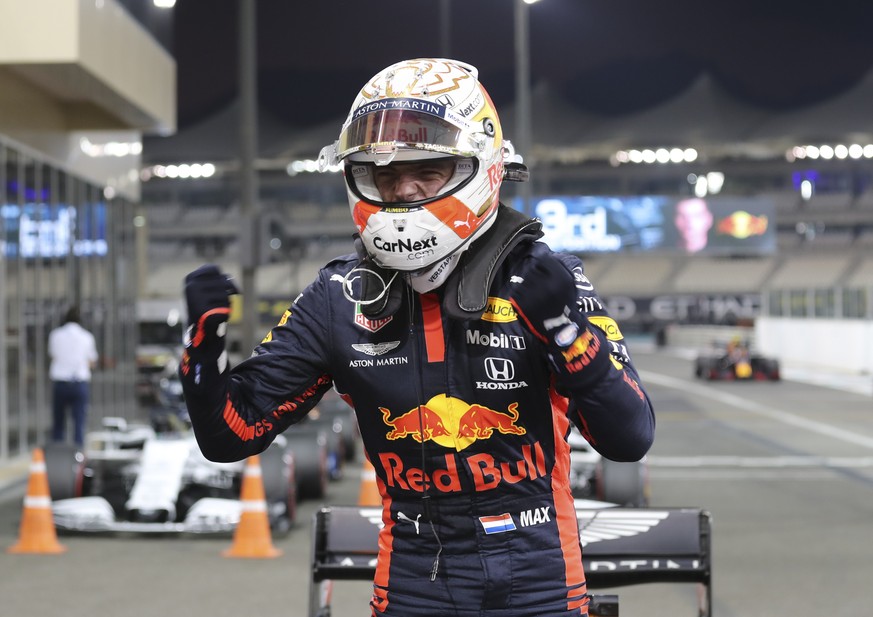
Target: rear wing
<point>620,546</point>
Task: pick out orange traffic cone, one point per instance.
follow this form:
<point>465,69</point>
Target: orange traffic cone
<point>37,532</point>
<point>369,494</point>
<point>251,538</point>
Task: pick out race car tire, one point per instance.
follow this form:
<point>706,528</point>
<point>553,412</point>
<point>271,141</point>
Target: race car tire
<point>280,488</point>
<point>331,428</point>
<point>768,369</point>
<point>309,446</point>
<point>335,451</point>
<point>65,470</point>
<point>625,484</point>
<point>340,410</point>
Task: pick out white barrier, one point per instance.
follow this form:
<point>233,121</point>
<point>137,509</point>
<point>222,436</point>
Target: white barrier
<point>835,345</point>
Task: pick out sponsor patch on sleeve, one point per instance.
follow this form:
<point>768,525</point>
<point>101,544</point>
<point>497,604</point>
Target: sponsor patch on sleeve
<point>608,325</point>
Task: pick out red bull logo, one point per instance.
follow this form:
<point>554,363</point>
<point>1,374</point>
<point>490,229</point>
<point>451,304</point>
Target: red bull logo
<point>486,472</point>
<point>742,225</point>
<point>581,352</point>
<point>452,423</point>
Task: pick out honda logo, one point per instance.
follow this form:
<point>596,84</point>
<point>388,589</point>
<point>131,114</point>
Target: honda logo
<point>499,369</point>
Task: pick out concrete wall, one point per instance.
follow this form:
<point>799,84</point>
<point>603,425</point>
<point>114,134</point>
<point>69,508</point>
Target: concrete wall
<point>842,346</point>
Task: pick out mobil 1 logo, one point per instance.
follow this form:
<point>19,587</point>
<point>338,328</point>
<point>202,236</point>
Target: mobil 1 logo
<point>498,340</point>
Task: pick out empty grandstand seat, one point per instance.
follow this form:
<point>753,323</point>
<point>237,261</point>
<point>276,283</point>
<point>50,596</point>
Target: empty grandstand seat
<point>203,215</point>
<point>787,240</point>
<point>864,201</point>
<point>162,214</point>
<point>784,201</point>
<point>829,201</point>
<point>641,276</point>
<point>831,239</point>
<point>862,274</point>
<point>802,271</point>
<point>723,275</point>
<point>865,239</point>
<point>595,267</point>
<point>303,212</point>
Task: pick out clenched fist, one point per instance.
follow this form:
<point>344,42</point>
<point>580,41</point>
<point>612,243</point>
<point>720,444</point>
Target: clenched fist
<point>544,296</point>
<point>207,294</point>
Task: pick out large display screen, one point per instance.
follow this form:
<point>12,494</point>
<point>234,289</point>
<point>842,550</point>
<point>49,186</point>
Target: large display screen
<point>44,231</point>
<point>710,226</point>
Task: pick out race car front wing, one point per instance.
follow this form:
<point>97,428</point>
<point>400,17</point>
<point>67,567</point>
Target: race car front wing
<point>94,515</point>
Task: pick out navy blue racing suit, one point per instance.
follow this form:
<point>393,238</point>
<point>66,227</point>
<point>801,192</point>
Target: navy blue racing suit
<point>465,423</point>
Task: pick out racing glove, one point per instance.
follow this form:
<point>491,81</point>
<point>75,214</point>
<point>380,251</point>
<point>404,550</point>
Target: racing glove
<point>545,297</point>
<point>207,295</point>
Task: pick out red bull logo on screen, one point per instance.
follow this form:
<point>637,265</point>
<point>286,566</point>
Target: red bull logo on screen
<point>743,225</point>
<point>451,422</point>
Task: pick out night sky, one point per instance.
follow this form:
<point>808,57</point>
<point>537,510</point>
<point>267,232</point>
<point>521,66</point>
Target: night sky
<point>605,56</point>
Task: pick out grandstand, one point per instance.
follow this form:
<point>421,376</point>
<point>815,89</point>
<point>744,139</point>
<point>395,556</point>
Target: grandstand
<point>823,242</point>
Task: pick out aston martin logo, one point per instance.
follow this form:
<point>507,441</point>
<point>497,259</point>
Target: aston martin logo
<point>375,349</point>
<point>608,524</point>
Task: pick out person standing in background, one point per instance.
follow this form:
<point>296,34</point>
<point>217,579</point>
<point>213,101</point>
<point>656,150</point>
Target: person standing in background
<point>73,353</point>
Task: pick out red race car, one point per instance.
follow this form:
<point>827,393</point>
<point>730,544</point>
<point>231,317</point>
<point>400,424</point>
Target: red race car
<point>735,361</point>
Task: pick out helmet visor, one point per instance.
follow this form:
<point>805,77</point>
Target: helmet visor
<point>388,125</point>
<point>362,180</point>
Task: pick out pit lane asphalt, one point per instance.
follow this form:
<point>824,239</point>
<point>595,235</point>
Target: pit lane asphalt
<point>786,469</point>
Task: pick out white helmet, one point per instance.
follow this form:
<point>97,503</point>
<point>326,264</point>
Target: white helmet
<point>414,110</point>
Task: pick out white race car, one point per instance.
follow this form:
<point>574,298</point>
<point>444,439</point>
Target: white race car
<point>130,478</point>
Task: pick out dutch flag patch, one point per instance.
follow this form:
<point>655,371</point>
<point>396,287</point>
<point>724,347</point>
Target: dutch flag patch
<point>497,524</point>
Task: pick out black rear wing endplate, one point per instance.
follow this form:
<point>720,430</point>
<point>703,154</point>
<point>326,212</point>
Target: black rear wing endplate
<point>620,546</point>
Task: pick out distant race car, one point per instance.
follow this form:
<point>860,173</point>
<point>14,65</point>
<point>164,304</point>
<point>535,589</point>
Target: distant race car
<point>130,478</point>
<point>735,361</point>
<point>595,477</point>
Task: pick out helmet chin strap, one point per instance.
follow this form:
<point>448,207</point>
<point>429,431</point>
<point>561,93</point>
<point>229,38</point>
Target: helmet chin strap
<point>434,276</point>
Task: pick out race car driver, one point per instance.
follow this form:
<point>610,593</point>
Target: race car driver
<point>465,346</point>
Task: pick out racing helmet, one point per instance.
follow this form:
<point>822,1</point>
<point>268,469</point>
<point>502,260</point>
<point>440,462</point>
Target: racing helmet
<point>413,111</point>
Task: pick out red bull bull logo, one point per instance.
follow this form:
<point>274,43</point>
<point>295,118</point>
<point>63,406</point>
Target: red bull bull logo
<point>742,225</point>
<point>452,423</point>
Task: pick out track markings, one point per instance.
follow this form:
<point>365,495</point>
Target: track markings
<point>766,411</point>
